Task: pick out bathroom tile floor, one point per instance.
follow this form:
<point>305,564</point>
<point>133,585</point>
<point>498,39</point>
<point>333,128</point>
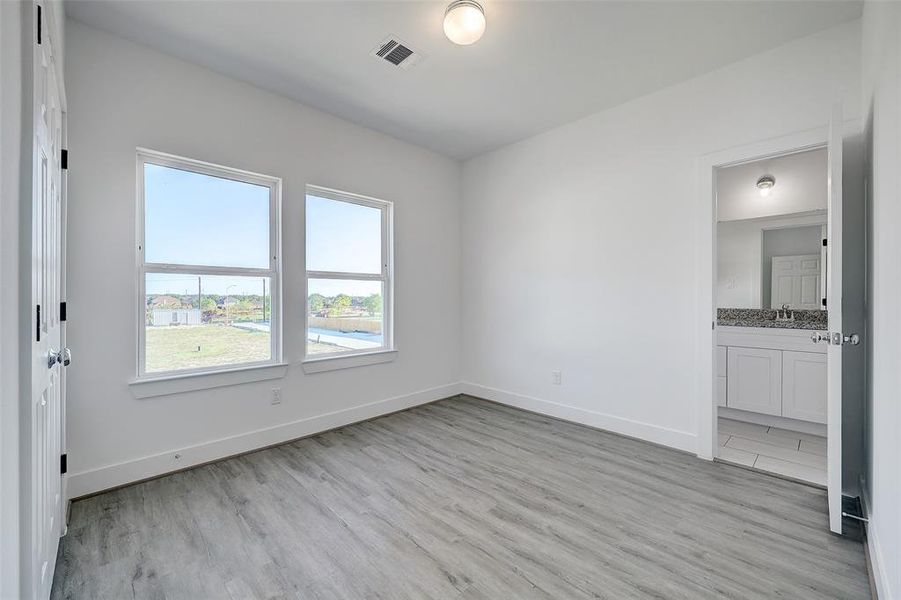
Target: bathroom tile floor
<point>801,456</point>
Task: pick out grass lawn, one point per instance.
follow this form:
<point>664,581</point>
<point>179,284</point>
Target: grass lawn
<point>173,348</point>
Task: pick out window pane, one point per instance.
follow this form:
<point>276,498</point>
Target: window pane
<point>195,219</point>
<point>342,236</point>
<point>198,321</point>
<point>344,315</point>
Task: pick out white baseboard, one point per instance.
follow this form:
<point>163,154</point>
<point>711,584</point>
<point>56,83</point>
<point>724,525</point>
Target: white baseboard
<point>877,562</point>
<point>119,474</point>
<point>680,440</point>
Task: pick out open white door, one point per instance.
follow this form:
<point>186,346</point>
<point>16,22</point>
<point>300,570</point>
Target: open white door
<point>836,336</point>
<point>42,423</point>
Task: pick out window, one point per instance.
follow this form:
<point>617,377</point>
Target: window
<point>208,267</point>
<point>349,279</point>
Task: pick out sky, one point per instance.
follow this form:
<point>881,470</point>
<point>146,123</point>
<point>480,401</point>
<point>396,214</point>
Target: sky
<point>343,237</point>
<point>171,283</point>
<point>191,218</point>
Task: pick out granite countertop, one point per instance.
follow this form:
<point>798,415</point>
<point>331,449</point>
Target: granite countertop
<point>755,317</point>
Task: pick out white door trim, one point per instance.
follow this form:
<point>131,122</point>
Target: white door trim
<point>834,306</point>
<point>706,263</point>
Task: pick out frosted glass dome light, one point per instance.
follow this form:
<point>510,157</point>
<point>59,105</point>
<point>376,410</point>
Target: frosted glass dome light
<point>464,22</point>
<point>765,185</point>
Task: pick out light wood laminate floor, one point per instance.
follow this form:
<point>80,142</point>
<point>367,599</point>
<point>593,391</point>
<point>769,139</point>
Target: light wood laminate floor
<point>460,499</point>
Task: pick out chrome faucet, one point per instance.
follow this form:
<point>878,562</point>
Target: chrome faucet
<point>785,314</point>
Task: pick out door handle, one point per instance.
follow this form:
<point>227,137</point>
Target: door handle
<point>67,357</point>
<point>839,339</point>
<point>53,357</point>
<point>836,338</point>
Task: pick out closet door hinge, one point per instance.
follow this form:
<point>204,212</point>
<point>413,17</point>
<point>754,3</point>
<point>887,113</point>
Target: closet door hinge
<point>64,159</point>
<point>40,12</point>
<point>63,464</point>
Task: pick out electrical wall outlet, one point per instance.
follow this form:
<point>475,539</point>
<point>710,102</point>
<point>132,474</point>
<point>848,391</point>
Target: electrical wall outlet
<point>556,377</point>
<point>276,396</point>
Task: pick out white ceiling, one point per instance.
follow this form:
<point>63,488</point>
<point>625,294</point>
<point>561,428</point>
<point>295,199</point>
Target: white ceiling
<point>540,64</point>
<point>800,187</point>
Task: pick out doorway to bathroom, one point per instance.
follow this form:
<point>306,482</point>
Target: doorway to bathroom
<point>771,297</point>
<point>771,382</point>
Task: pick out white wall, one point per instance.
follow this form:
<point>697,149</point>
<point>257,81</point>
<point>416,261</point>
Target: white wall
<point>741,268</point>
<point>738,248</point>
<point>579,244</point>
<point>882,106</point>
<point>123,95</point>
<point>800,187</point>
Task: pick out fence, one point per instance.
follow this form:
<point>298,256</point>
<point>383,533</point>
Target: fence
<point>350,324</point>
<point>175,316</point>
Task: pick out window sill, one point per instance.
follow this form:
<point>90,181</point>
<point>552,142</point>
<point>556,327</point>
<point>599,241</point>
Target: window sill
<point>190,382</point>
<point>333,363</point>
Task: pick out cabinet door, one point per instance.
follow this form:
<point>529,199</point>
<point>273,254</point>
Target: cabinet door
<point>754,380</point>
<point>721,376</point>
<point>721,361</point>
<point>804,386</point>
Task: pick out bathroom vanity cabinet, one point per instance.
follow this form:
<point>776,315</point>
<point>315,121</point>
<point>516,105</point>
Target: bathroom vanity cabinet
<point>778,372</point>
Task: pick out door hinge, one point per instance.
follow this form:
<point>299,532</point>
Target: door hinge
<point>37,322</point>
<point>62,311</point>
<point>39,24</point>
<point>825,242</point>
<point>64,159</point>
<point>824,302</point>
<point>63,464</point>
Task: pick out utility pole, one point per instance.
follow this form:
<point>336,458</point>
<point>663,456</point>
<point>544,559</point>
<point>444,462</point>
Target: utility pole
<point>199,302</point>
<point>264,299</point>
<point>227,317</point>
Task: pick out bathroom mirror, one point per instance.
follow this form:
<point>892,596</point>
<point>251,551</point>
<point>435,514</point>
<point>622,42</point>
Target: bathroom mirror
<point>771,227</point>
<point>766,263</point>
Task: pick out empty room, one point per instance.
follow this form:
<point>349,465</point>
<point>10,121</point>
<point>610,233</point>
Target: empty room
<point>451,299</point>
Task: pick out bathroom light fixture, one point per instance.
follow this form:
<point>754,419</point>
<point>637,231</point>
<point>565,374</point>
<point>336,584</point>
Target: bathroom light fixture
<point>464,22</point>
<point>765,185</point>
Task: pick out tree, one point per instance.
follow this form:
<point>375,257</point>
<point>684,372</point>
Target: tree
<point>339,305</point>
<point>373,304</point>
<point>208,308</point>
<point>243,308</point>
<point>317,302</point>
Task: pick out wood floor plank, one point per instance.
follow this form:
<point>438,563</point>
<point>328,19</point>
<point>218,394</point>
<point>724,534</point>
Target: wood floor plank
<point>460,499</point>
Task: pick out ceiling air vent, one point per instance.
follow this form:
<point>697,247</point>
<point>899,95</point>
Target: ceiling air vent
<point>396,52</point>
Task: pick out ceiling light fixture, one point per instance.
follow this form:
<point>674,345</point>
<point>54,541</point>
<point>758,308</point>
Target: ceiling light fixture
<point>765,185</point>
<point>464,22</point>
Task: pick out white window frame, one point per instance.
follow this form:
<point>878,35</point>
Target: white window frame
<point>386,277</point>
<point>273,272</point>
